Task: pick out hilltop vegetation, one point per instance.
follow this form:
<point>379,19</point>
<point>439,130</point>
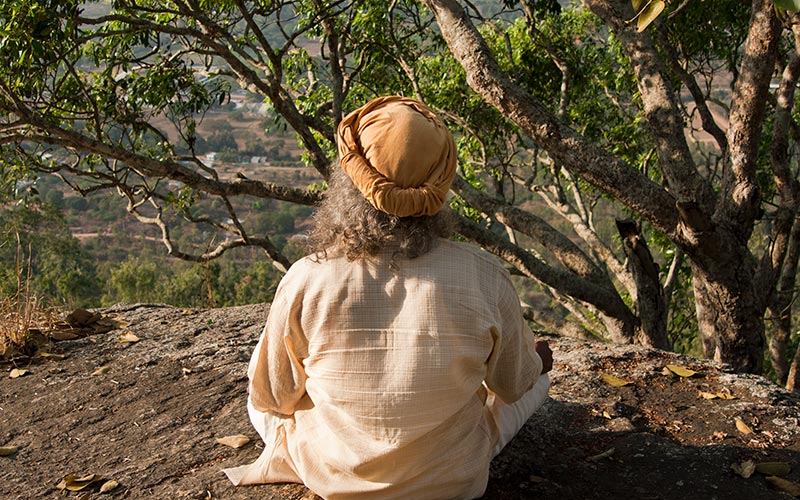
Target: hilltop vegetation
<point>86,251</point>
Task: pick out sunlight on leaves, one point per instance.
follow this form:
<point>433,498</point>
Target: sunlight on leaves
<point>790,5</point>
<point>646,12</point>
<point>681,371</point>
<point>614,381</point>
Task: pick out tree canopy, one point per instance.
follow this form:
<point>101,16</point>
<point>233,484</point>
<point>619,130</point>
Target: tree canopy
<point>643,175</point>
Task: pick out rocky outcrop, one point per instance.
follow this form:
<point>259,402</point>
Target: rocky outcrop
<point>147,413</point>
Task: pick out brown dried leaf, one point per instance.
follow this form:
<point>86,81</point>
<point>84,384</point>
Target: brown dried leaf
<point>614,381</point>
<point>18,372</point>
<point>7,451</point>
<point>102,370</point>
<point>236,441</point>
<point>82,317</point>
<point>63,335</point>
<point>743,427</point>
<point>681,371</point>
<point>53,356</point>
<point>725,394</point>
<point>744,469</point>
<point>774,468</point>
<point>606,454</point>
<point>784,485</point>
<point>708,395</point>
<point>108,486</point>
<point>128,337</point>
<point>72,483</point>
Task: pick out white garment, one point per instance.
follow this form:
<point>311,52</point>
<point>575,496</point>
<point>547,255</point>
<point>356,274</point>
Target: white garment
<point>370,379</point>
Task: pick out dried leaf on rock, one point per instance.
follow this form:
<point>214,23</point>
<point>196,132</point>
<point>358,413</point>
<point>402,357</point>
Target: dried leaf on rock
<point>101,370</point>
<point>784,485</point>
<point>614,381</point>
<point>128,337</point>
<point>708,395</point>
<point>725,394</point>
<point>7,451</point>
<point>63,335</point>
<point>744,469</point>
<point>53,356</point>
<point>82,317</point>
<point>743,427</point>
<point>681,371</point>
<point>606,454</point>
<point>774,468</point>
<point>72,483</point>
<point>18,372</point>
<point>236,441</point>
<point>108,486</point>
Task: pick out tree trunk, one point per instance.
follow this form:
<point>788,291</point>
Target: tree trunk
<point>650,300</point>
<point>781,308</point>
<point>793,382</point>
<point>729,317</point>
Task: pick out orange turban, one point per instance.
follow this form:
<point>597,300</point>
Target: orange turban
<point>399,154</point>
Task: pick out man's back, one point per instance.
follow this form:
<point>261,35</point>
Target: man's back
<point>395,352</point>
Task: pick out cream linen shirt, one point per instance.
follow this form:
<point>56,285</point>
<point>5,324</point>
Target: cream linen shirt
<point>377,370</point>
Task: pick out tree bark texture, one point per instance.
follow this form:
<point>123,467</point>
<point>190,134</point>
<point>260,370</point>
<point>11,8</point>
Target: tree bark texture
<point>564,144</point>
<point>730,318</point>
<point>650,300</point>
<point>712,229</point>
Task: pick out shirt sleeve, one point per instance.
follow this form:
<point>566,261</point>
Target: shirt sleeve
<point>276,372</point>
<point>514,366</point>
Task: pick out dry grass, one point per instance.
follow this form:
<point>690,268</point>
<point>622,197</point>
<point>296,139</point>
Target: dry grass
<point>23,316</point>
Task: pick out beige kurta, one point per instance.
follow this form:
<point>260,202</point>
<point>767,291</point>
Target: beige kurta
<point>373,374</point>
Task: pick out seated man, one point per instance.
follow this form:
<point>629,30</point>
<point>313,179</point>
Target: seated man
<point>395,364</point>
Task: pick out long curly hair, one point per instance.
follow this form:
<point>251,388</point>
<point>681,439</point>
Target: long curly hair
<point>345,221</point>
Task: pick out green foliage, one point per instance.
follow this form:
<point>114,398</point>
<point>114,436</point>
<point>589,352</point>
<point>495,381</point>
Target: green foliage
<point>60,269</point>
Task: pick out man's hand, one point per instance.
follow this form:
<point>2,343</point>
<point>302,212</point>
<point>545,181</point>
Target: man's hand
<point>544,352</point>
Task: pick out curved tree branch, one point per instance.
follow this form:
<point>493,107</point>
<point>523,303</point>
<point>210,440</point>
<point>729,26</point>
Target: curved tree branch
<point>566,146</point>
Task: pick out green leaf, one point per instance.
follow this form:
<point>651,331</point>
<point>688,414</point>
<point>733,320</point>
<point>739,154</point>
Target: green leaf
<point>646,13</point>
<point>790,5</point>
